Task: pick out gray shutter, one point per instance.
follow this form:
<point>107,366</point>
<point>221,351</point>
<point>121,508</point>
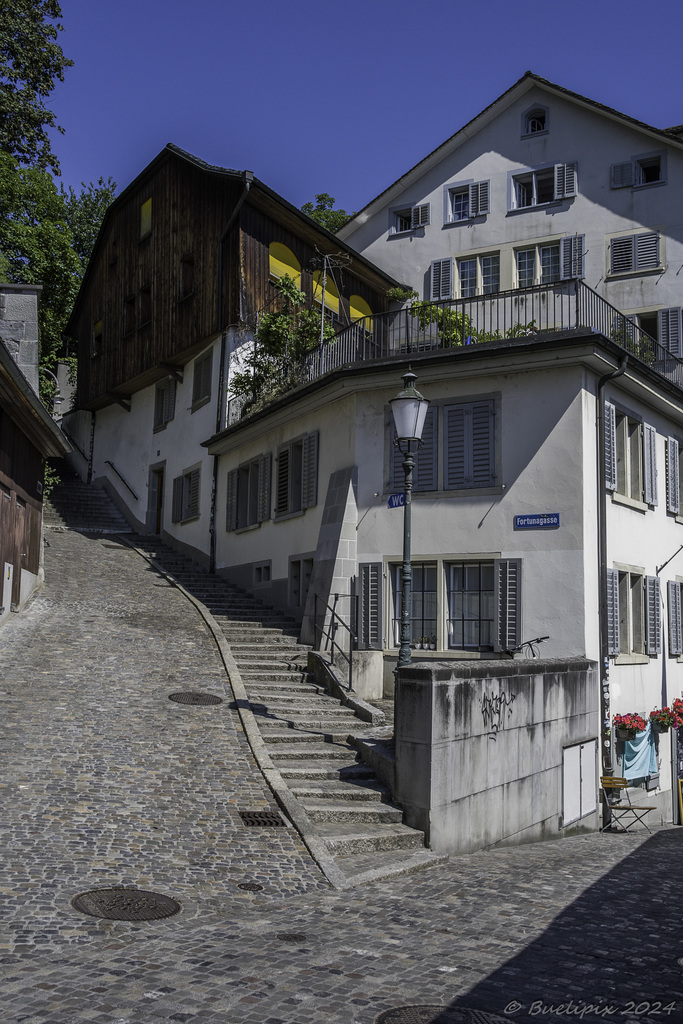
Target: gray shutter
<point>673,492</point>
<point>419,216</point>
<point>455,444</point>
<point>650,464</point>
<point>309,470</point>
<point>675,625</point>
<point>159,401</point>
<point>282,495</point>
<point>571,256</point>
<point>653,618</point>
<point>177,505</point>
<point>193,479</point>
<point>425,472</point>
<point>264,475</point>
<point>482,414</point>
<point>201,382</point>
<point>231,500</point>
<point>508,603</point>
<point>610,447</point>
<point>370,619</point>
<point>565,181</point>
<point>647,251</point>
<point>479,193</point>
<point>621,175</point>
<point>613,638</point>
<point>442,279</point>
<point>669,330</point>
<point>622,255</point>
<point>169,400</point>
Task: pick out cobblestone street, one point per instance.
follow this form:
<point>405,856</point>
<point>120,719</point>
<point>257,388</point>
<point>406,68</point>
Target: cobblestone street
<point>106,782</point>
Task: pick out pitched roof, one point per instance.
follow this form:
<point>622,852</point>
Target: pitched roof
<point>524,84</point>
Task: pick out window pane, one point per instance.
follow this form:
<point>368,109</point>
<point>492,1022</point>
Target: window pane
<point>545,186</point>
<point>490,274</point>
<point>461,204</point>
<point>471,634</point>
<point>525,267</point>
<point>468,278</point>
<point>550,263</point>
<point>472,577</point>
<point>524,191</point>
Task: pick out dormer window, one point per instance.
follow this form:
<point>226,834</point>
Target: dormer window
<point>535,121</point>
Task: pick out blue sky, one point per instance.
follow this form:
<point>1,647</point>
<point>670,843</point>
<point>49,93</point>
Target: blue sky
<point>338,98</point>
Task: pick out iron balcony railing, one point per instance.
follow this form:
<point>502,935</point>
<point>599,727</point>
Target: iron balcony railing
<point>432,326</point>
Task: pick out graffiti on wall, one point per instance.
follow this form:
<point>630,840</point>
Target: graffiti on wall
<point>493,710</point>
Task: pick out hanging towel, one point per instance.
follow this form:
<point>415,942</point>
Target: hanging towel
<point>640,758</point>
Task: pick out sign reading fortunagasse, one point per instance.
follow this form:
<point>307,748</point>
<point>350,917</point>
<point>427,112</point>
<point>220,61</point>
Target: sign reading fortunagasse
<point>538,521</point>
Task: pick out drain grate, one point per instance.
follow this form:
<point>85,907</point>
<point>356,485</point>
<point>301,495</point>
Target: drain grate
<point>291,936</point>
<point>270,819</point>
<point>120,904</point>
<point>437,1015</point>
<point>250,886</point>
<point>190,697</point>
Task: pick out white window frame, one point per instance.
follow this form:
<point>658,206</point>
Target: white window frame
<point>630,457</point>
<point>532,114</point>
<point>478,200</point>
<point>248,493</point>
<point>633,612</point>
<point>565,185</point>
<point>478,259</point>
<point>633,172</point>
<point>413,217</point>
<point>570,257</point>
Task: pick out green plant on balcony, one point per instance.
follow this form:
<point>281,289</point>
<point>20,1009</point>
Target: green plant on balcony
<point>452,326</point>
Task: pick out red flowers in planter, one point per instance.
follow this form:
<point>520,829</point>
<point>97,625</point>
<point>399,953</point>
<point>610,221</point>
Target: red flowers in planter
<point>632,722</point>
<point>665,718</point>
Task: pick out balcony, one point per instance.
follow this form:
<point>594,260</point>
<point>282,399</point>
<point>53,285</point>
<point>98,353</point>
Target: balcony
<point>528,312</point>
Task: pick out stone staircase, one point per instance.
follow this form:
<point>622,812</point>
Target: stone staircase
<point>86,508</point>
<point>306,731</point>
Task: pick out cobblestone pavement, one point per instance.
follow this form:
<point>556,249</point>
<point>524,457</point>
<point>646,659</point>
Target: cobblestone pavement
<point>106,782</point>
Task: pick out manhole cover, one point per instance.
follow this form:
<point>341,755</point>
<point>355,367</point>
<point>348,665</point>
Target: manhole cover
<point>436,1015</point>
<point>250,886</point>
<point>195,698</point>
<point>119,904</point>
<point>291,937</point>
<point>268,818</point>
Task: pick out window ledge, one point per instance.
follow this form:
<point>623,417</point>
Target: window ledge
<point>540,206</point>
<point>534,135</point>
<point>161,426</point>
<point>679,518</point>
<point>479,219</point>
<point>611,276</point>
<point>401,234</point>
<point>192,519</point>
<point>460,492</point>
<point>200,403</point>
<point>631,659</point>
<point>646,185</point>
<point>623,499</point>
<point>288,515</point>
<point>246,529</point>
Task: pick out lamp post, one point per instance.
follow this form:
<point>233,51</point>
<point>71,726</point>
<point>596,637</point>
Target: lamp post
<point>409,409</point>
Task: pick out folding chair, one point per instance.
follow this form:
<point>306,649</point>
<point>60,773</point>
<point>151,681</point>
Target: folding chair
<point>623,815</point>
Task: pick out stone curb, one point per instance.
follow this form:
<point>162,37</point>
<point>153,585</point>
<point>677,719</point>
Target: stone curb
<point>320,667</point>
<point>283,795</point>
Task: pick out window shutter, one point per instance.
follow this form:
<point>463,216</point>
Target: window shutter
<point>419,216</point>
<point>669,330</point>
<point>231,500</point>
<point>370,636</point>
<point>571,256</point>
<point>482,444</point>
<point>653,625</point>
<point>613,638</point>
<point>508,604</point>
<point>650,464</point>
<point>647,251</point>
<point>264,474</point>
<point>192,494</point>
<point>479,198</point>
<point>610,447</point>
<point>425,474</point>
<point>622,255</point>
<point>159,401</point>
<point>675,625</point>
<point>455,438</point>
<point>282,495</point>
<point>169,401</point>
<point>565,181</point>
<point>442,279</point>
<point>621,175</point>
<point>201,382</point>
<point>673,493</point>
<point>309,470</point>
<point>177,505</point>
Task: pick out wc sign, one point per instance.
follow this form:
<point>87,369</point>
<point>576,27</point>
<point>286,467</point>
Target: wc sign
<point>396,500</point>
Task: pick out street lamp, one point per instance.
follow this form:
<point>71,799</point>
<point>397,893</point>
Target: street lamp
<point>409,409</point>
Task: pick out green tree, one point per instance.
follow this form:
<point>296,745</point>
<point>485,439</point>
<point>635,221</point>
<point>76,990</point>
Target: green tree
<point>283,340</point>
<point>36,246</point>
<point>84,214</point>
<point>324,213</point>
<point>31,62</point>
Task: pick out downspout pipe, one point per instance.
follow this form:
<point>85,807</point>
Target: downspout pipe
<point>605,730</point>
<point>248,177</point>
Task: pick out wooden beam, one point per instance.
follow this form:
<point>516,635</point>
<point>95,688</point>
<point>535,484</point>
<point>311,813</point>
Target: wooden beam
<point>173,371</point>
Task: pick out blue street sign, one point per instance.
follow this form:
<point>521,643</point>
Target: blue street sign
<point>538,521</point>
<point>396,500</point>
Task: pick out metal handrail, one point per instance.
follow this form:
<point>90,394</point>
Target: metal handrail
<point>123,480</point>
<point>321,633</point>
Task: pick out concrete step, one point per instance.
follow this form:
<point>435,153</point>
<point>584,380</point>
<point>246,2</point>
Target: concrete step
<point>344,840</point>
<point>302,769</point>
<point>312,752</point>
<point>278,730</point>
<point>351,813</point>
<point>364,791</point>
<point>363,868</point>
